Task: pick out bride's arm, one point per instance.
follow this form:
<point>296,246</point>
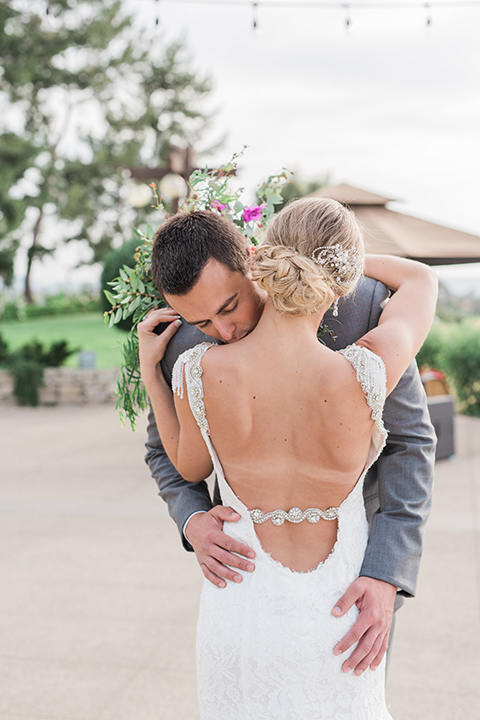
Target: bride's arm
<point>408,315</point>
<point>180,435</point>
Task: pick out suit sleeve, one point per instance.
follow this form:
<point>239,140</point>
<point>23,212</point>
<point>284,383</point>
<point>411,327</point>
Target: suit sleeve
<point>183,498</point>
<point>398,488</point>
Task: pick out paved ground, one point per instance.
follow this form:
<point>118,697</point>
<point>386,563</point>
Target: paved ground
<point>98,601</point>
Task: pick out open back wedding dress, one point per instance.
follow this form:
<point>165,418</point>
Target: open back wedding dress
<point>265,645</point>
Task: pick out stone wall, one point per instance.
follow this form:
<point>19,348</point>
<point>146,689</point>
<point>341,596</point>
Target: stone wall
<point>68,386</point>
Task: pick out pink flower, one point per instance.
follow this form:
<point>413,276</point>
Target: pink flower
<point>253,213</point>
<point>218,205</point>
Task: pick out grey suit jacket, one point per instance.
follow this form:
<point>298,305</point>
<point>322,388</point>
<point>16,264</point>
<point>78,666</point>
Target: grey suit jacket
<point>398,488</point>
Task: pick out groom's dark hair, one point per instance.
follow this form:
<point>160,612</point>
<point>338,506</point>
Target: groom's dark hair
<point>187,241</point>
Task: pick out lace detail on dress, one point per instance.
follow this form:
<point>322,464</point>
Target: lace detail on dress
<point>190,360</point>
<point>265,645</point>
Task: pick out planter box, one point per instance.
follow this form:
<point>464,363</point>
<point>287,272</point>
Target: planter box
<point>68,386</point>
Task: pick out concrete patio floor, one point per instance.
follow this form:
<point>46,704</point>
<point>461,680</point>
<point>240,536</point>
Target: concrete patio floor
<point>98,601</point>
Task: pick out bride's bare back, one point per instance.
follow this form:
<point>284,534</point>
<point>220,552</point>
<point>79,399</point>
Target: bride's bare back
<point>292,428</point>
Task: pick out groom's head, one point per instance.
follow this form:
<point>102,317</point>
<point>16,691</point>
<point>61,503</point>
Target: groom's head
<point>200,264</point>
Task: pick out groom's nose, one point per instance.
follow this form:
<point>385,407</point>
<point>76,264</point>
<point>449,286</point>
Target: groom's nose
<point>225,328</point>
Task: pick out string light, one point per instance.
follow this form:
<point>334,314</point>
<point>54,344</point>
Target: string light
<point>255,15</point>
<point>315,4</point>
<point>429,15</point>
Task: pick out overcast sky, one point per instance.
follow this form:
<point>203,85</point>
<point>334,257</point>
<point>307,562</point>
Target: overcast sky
<point>390,105</point>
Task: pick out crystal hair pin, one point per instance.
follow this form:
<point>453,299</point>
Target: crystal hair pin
<point>338,261</point>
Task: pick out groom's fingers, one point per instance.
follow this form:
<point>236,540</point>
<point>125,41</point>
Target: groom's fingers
<point>375,600</point>
<point>219,555</point>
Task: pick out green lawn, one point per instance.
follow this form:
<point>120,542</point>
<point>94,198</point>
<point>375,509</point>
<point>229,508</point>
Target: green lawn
<point>86,331</point>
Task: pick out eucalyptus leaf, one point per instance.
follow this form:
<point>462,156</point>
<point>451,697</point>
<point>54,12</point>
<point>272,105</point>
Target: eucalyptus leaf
<point>109,297</point>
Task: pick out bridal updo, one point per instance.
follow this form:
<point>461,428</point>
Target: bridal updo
<point>312,253</point>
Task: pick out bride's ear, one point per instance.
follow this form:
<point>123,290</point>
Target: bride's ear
<point>251,260</point>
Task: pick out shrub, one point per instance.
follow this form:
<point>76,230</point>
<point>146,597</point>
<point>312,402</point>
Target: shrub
<point>431,351</point>
<point>111,270</point>
<point>461,359</point>
<point>454,348</point>
<point>27,366</point>
<point>27,380</point>
<point>58,304</point>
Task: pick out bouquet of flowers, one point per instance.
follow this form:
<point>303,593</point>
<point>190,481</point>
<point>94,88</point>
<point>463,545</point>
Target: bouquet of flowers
<point>133,293</point>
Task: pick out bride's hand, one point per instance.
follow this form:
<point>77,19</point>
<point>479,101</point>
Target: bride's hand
<point>152,347</point>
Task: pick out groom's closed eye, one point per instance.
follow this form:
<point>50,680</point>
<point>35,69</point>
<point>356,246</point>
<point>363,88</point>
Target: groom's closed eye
<point>224,310</point>
<point>204,324</point>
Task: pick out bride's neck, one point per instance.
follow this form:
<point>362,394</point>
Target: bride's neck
<point>279,327</point>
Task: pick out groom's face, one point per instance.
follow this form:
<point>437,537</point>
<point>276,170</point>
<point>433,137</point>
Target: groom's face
<point>223,303</point>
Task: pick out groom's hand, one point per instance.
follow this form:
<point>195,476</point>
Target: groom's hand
<point>214,549</point>
<point>375,600</point>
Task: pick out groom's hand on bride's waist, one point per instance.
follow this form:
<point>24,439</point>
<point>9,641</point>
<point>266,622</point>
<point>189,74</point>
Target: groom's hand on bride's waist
<point>375,600</point>
<point>216,552</point>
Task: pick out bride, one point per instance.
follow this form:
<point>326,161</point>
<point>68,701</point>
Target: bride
<point>290,428</point>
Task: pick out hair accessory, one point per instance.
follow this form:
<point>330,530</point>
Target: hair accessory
<point>339,261</point>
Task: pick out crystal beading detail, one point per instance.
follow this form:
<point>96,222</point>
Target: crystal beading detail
<point>372,377</point>
<point>294,515</point>
<point>190,361</point>
<point>339,262</point>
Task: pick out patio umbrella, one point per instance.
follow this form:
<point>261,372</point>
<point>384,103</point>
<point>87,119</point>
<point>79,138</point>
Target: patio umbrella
<point>393,233</point>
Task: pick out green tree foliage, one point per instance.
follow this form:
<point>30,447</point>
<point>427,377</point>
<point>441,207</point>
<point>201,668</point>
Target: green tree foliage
<point>297,187</point>
<point>82,97</point>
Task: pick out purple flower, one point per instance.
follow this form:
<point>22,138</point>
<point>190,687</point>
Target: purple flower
<point>253,213</point>
<point>218,205</point>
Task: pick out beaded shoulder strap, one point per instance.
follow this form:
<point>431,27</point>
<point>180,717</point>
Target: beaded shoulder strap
<point>190,361</point>
<point>372,376</point>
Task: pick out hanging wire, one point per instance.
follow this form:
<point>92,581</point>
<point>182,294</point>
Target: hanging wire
<point>157,12</point>
<point>428,20</point>
<point>255,15</point>
<point>315,4</point>
<point>348,19</point>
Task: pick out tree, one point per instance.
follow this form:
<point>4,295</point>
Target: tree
<point>296,187</point>
<point>81,100</point>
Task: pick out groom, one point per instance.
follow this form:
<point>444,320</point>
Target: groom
<point>200,264</point>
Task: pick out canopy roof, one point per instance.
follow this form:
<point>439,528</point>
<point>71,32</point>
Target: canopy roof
<point>393,233</point>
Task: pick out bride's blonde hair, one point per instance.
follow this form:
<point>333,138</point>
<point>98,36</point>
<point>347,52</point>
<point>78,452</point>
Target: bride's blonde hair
<point>293,265</point>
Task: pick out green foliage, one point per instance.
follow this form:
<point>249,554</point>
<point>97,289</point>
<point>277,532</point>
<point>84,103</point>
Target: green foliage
<point>27,365</point>
<point>455,350</point>
<point>461,359</point>
<point>4,353</point>
<point>84,330</point>
<point>82,62</point>
<point>296,188</point>
<point>133,292</point>
<point>54,356</point>
<point>124,258</point>
<point>58,304</point>
<point>430,352</point>
<point>27,380</point>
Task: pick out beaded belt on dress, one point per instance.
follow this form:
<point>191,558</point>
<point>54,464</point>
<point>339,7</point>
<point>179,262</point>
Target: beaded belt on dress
<point>294,515</point>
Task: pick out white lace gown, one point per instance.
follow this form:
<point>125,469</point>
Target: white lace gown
<point>265,645</point>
